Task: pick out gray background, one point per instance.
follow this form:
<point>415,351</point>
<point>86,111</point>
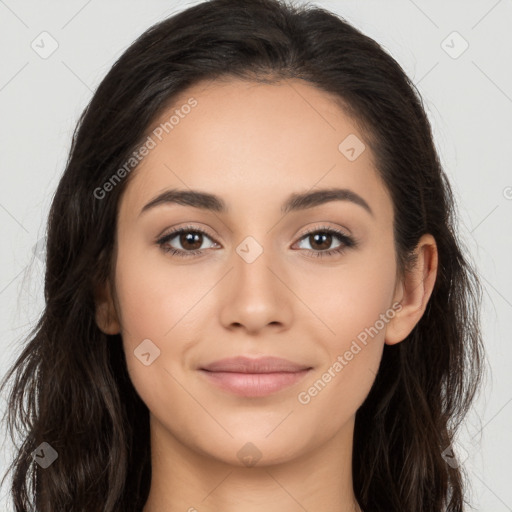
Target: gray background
<point>467,95</point>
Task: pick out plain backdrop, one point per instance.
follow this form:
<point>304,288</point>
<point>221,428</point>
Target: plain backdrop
<point>458,53</point>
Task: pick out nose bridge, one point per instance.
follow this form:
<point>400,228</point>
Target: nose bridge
<point>256,296</point>
<point>252,260</point>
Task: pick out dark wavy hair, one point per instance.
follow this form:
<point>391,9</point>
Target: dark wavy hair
<point>71,386</point>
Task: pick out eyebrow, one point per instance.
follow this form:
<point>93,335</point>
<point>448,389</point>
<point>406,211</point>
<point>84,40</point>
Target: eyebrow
<point>295,202</point>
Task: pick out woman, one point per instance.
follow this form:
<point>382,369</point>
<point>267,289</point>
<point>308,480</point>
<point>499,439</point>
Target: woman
<point>316,345</point>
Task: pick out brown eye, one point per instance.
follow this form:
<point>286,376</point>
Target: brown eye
<point>321,241</point>
<point>188,240</point>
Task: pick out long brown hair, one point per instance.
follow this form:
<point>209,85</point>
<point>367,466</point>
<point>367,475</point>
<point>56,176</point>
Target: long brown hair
<point>71,387</point>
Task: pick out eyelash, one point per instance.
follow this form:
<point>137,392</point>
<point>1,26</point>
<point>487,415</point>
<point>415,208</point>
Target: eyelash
<point>347,241</point>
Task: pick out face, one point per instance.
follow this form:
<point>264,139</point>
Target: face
<point>314,284</point>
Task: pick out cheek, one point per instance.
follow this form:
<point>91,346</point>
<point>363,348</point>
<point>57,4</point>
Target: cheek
<point>335,393</point>
<point>352,357</point>
<point>354,300</point>
<point>155,297</point>
<point>355,307</point>
<point>160,304</point>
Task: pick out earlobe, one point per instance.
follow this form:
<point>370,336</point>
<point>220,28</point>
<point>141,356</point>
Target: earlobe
<point>106,316</point>
<point>414,291</point>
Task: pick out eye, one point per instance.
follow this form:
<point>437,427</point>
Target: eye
<point>322,237</point>
<point>190,238</point>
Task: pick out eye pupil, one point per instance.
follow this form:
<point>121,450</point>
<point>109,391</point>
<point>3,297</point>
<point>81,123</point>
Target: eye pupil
<point>191,238</point>
<point>327,238</point>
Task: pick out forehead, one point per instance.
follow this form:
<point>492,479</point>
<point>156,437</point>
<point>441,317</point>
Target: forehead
<point>248,141</point>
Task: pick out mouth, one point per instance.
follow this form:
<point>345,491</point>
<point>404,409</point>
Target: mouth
<point>248,377</point>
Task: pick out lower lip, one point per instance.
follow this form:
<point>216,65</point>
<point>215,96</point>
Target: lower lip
<point>254,384</point>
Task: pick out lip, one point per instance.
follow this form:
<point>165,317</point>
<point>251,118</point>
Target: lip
<point>251,377</point>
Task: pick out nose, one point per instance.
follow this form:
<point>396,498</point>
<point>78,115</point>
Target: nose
<point>255,294</point>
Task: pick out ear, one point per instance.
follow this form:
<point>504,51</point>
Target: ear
<point>414,291</point>
<point>106,315</point>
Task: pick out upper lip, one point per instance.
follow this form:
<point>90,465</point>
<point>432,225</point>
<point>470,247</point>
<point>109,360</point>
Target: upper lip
<point>242,364</point>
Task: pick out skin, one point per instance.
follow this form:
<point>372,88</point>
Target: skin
<point>253,145</point>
